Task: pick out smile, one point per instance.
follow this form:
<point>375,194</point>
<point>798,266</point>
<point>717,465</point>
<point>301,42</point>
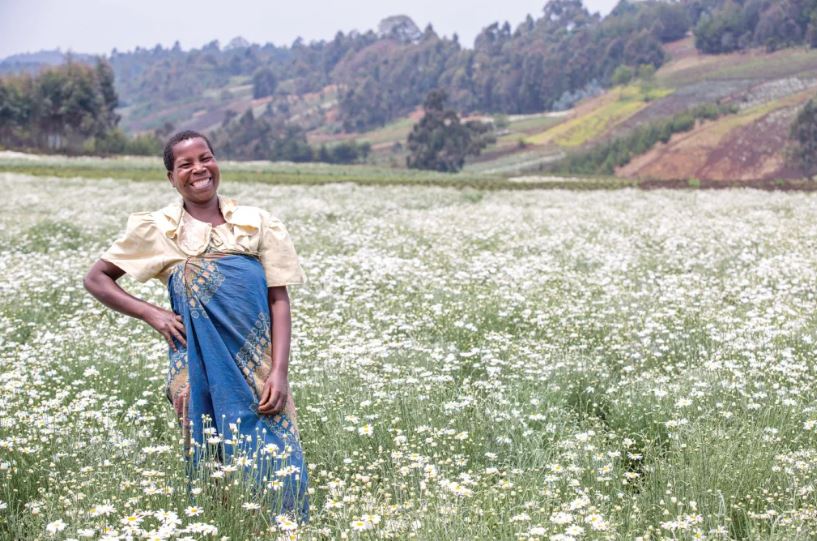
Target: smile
<point>201,183</point>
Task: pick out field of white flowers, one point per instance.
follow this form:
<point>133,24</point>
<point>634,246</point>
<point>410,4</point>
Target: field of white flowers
<point>467,365</point>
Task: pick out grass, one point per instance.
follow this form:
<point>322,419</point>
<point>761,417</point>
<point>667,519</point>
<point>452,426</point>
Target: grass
<point>777,65</point>
<point>393,132</point>
<point>145,170</point>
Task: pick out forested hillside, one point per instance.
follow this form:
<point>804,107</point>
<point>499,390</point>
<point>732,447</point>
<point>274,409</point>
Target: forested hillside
<point>542,63</point>
<point>359,81</point>
<point>735,25</point>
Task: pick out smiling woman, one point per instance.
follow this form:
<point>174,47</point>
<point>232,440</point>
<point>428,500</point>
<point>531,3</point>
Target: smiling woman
<point>227,268</point>
<point>193,171</point>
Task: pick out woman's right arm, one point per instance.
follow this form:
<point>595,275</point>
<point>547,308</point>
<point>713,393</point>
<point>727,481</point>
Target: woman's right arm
<point>101,283</point>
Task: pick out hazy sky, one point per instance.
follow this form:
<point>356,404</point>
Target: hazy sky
<point>97,26</point>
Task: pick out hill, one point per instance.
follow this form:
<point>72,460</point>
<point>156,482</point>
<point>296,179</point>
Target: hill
<point>34,62</point>
<point>767,87</point>
<point>766,90</point>
<point>373,78</point>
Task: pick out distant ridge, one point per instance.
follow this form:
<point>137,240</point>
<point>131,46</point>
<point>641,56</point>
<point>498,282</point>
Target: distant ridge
<point>34,62</point>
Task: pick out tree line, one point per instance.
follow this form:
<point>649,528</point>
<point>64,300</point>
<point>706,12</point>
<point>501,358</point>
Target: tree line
<point>732,25</point>
<point>542,63</point>
<point>246,137</point>
<point>71,109</point>
<point>66,108</point>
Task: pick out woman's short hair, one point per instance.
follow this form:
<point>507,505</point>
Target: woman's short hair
<point>178,138</point>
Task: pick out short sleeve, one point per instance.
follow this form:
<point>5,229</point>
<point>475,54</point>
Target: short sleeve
<point>139,252</point>
<point>277,254</point>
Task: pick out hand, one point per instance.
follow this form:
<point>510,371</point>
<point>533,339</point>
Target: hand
<point>274,395</point>
<point>168,324</point>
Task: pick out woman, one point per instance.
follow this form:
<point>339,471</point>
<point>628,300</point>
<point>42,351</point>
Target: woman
<point>226,267</point>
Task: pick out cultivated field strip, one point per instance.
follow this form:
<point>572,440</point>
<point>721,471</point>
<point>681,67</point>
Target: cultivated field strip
<point>308,174</point>
<point>467,365</point>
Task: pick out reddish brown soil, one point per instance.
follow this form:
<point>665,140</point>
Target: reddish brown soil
<point>714,152</point>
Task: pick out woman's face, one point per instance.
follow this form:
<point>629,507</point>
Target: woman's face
<point>195,173</point>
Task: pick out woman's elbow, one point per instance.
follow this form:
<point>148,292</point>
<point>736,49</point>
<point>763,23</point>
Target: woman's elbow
<point>96,276</point>
<point>91,280</point>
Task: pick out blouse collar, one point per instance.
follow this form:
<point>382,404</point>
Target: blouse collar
<point>170,217</point>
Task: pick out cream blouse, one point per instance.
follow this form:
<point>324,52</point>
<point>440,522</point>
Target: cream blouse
<point>155,242</point>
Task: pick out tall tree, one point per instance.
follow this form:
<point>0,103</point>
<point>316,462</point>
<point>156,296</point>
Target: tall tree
<point>439,141</point>
<point>804,138</point>
<point>110,100</point>
<point>264,83</point>
<point>62,108</point>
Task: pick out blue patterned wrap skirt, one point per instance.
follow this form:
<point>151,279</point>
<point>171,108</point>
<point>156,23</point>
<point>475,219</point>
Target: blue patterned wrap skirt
<point>215,382</point>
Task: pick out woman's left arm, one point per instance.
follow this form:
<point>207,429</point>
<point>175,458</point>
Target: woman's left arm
<point>276,389</point>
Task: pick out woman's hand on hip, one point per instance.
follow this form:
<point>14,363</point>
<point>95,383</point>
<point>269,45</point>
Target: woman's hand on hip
<point>167,323</point>
<point>274,395</point>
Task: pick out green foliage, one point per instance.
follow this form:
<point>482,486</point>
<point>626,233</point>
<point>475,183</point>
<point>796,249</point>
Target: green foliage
<point>646,72</point>
<point>365,105</point>
<point>383,76</point>
<point>804,137</point>
<point>625,74</point>
<point>622,75</point>
<point>605,158</point>
<point>670,21</point>
<point>345,152</point>
<point>732,25</point>
<point>59,109</point>
<point>263,138</point>
<point>440,141</point>
<point>264,83</point>
<point>71,109</point>
<point>250,138</point>
<point>116,142</point>
<point>16,110</point>
<point>501,122</point>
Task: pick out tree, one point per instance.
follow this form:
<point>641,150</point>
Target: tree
<point>673,21</point>
<point>804,137</point>
<point>344,152</point>
<point>727,25</point>
<point>72,103</point>
<point>439,141</point>
<point>778,27</point>
<point>399,27</point>
<point>643,48</point>
<point>105,80</point>
<point>623,75</point>
<point>250,138</point>
<point>16,111</point>
<point>264,83</point>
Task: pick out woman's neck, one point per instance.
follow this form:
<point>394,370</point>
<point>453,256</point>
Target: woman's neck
<point>205,212</point>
